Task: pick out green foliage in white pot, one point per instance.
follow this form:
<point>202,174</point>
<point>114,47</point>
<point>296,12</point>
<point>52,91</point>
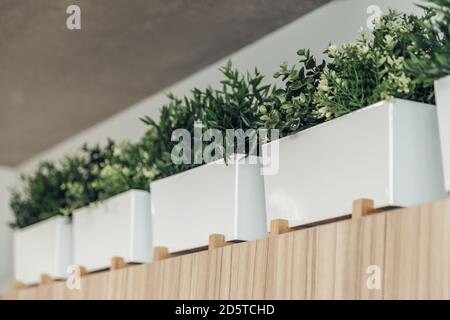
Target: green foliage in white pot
<point>232,106</point>
<point>59,188</point>
<point>437,64</point>
<point>357,74</point>
<point>129,167</point>
<point>292,108</point>
<point>368,71</point>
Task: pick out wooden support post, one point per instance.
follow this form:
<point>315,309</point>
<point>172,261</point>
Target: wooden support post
<point>362,207</point>
<point>19,285</point>
<point>117,263</point>
<point>45,279</point>
<point>83,271</point>
<point>279,226</point>
<point>161,253</point>
<point>216,241</point>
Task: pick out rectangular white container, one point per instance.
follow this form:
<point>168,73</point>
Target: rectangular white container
<point>213,198</point>
<point>119,226</point>
<point>388,152</point>
<point>442,90</point>
<point>43,248</point>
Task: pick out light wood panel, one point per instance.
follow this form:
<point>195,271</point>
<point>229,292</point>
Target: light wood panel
<point>410,247</point>
<point>418,253</point>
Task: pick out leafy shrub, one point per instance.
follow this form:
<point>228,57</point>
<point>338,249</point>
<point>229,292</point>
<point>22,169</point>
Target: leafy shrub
<point>81,172</point>
<point>177,114</point>
<point>129,167</point>
<point>437,64</point>
<point>293,108</point>
<point>368,71</point>
<point>356,75</point>
<point>234,106</point>
<point>59,188</point>
<point>42,197</point>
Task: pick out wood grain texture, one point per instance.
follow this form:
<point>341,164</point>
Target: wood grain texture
<point>410,248</point>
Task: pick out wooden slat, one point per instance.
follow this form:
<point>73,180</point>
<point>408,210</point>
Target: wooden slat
<point>45,279</point>
<point>19,285</point>
<point>362,207</point>
<point>410,247</point>
<point>279,226</point>
<point>171,279</point>
<point>117,263</point>
<point>216,241</point>
<point>184,291</point>
<point>161,253</point>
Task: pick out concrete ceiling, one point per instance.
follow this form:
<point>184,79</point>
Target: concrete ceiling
<point>55,82</point>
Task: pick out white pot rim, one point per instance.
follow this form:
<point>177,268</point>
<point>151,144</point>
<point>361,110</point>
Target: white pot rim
<point>235,159</point>
<point>42,222</point>
<point>375,105</point>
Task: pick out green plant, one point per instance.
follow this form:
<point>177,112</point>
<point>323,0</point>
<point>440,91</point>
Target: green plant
<point>82,171</point>
<point>41,198</point>
<point>233,106</point>
<point>177,114</point>
<point>292,108</point>
<point>59,188</point>
<point>437,64</point>
<point>368,71</point>
<point>129,167</point>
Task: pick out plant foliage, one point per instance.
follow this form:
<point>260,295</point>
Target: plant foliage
<point>437,64</point>
<point>59,188</point>
<point>234,106</point>
<point>293,108</point>
<point>368,71</point>
<point>401,58</point>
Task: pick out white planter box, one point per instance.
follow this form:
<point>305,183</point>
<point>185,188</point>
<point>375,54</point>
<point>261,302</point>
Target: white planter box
<point>442,89</point>
<point>213,198</point>
<point>120,226</point>
<point>43,248</point>
<point>388,152</point>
